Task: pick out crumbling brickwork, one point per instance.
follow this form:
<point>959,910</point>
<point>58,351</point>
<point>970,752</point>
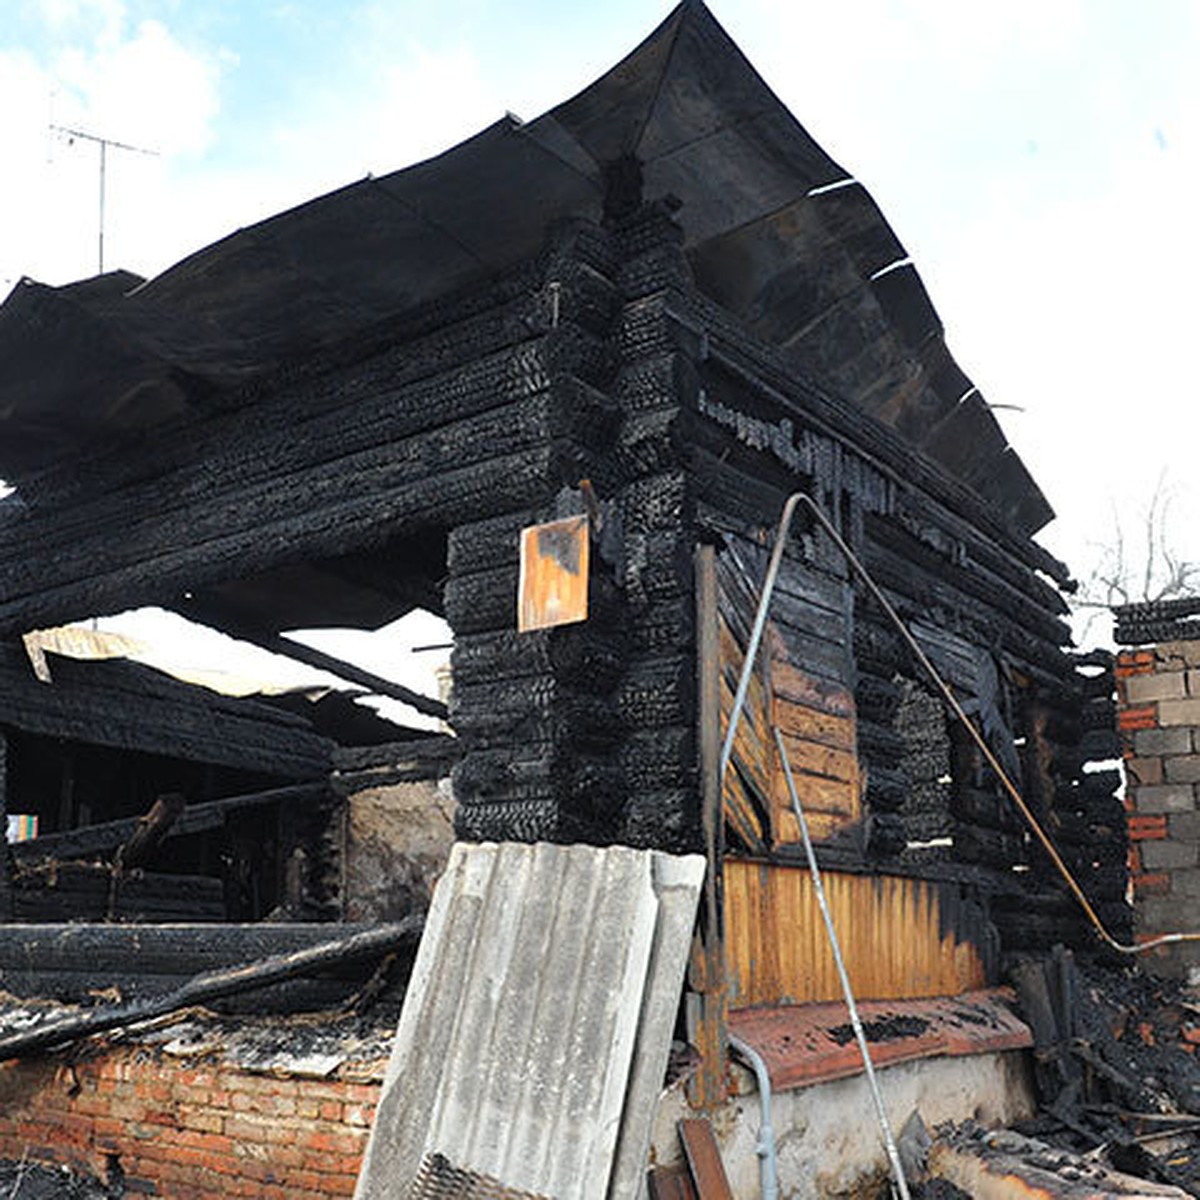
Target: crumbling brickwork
<point>1159,717</point>
<point>189,1130</point>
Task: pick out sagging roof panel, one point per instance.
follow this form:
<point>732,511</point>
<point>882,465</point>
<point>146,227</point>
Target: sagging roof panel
<point>806,264</point>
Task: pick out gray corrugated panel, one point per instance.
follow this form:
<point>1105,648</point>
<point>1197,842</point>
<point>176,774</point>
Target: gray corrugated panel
<point>515,1045</point>
<point>677,883</point>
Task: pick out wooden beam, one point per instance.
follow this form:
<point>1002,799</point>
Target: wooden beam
<point>222,618</point>
<point>214,985</point>
<point>93,839</point>
<point>708,1007</point>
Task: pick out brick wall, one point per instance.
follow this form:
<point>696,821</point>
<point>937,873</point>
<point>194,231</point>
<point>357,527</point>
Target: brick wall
<point>1158,692</point>
<point>189,1130</point>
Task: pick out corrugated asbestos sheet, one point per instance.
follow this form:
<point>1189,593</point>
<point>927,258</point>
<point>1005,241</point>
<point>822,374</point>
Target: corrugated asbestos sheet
<point>537,1024</point>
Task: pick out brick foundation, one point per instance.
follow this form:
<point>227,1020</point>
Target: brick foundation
<point>1158,690</point>
<point>186,1129</point>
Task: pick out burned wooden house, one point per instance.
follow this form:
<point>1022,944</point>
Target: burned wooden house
<point>652,313</point>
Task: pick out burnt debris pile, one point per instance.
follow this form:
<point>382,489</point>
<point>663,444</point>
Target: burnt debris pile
<point>1115,1068</point>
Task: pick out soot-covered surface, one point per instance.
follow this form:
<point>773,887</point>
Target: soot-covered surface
<point>34,1181</point>
<point>1116,1070</point>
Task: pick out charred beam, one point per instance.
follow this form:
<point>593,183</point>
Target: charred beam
<point>214,985</point>
<point>221,616</point>
<point>195,818</point>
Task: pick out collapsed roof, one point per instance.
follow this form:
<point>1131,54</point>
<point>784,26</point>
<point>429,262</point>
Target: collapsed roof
<point>775,231</point>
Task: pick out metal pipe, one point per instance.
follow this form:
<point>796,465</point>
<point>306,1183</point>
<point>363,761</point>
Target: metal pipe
<point>739,701</point>
<point>835,945</point>
<point>768,1164</point>
<point>760,622</point>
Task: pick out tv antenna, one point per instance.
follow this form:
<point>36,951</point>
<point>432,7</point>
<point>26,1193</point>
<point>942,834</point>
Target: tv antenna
<point>104,143</point>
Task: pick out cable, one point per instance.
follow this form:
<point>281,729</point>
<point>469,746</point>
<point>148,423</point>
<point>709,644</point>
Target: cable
<point>860,1035</point>
<point>944,690</point>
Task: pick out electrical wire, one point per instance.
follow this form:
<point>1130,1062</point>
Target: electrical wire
<point>948,695</point>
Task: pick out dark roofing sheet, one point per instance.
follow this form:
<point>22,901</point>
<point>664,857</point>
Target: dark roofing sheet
<point>812,267</point>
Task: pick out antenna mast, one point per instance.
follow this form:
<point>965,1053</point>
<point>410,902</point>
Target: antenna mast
<point>103,143</point>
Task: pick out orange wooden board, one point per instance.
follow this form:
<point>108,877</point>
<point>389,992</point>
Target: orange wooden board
<point>891,929</point>
<point>553,584</point>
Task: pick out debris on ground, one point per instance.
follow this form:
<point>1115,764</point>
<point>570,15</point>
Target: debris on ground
<point>36,1181</point>
<point>1115,1067</point>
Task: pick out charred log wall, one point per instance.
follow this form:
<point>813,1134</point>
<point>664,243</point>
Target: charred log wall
<point>430,422</point>
<point>586,732</point>
<point>981,601</point>
<point>5,856</point>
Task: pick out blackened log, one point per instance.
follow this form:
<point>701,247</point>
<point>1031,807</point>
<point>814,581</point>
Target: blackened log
<point>151,830</point>
<point>752,365</point>
<point>508,820</point>
<point>312,517</point>
<point>168,951</point>
<point>428,757</point>
<point>83,892</point>
<point>539,710</point>
<point>5,856</point>
<point>584,657</point>
<point>658,692</point>
<point>974,844</point>
<point>215,985</point>
<point>96,839</point>
<point>128,706</point>
<point>483,545</point>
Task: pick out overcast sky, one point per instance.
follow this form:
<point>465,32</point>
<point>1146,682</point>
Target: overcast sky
<point>1040,160</point>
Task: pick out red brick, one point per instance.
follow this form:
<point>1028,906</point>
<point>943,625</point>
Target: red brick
<point>1157,883</point>
<point>1134,662</point>
<point>1143,717</point>
<point>362,1093</point>
<point>1144,829</point>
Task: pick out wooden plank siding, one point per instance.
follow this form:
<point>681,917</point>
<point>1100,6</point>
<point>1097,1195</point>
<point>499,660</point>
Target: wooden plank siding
<point>816,717</point>
<point>898,937</point>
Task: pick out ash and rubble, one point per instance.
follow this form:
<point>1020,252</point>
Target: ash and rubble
<point>1115,1066</point>
<point>1117,1084</point>
<point>36,1181</point>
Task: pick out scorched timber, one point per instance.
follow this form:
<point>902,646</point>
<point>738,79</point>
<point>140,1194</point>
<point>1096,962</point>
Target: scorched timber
<point>215,985</point>
<point>517,479</point>
<point>132,707</point>
<point>195,818</point>
<point>218,618</point>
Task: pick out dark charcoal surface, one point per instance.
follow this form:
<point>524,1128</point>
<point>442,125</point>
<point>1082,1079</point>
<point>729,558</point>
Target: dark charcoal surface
<point>31,1181</point>
<point>1127,1067</point>
<point>886,1029</point>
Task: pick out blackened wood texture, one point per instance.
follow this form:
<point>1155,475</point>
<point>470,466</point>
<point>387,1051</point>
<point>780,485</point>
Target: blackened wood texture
<point>130,707</point>
<point>214,985</point>
<point>194,818</point>
<point>5,858</point>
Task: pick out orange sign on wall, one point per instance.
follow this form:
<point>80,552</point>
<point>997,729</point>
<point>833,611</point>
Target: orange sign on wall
<point>554,574</point>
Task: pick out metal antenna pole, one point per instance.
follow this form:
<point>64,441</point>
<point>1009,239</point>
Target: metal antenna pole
<point>103,143</point>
